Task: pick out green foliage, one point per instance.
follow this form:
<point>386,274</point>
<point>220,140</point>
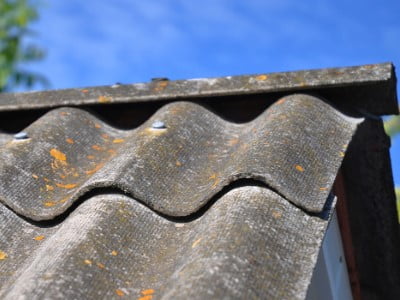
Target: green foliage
<point>15,17</point>
<point>392,128</point>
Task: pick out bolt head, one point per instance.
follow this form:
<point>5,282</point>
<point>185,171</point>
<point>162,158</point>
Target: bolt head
<point>21,136</point>
<point>158,125</point>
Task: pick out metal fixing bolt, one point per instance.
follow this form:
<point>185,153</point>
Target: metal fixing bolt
<point>158,125</point>
<point>115,85</point>
<point>21,136</point>
<point>158,79</point>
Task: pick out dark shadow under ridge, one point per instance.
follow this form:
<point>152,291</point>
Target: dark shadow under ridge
<point>233,108</point>
<point>324,214</point>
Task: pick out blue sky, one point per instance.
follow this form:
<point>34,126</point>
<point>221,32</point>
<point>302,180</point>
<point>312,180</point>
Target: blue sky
<point>101,42</point>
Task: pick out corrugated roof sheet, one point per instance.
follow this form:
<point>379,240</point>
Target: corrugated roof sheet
<point>251,243</point>
<point>168,228</point>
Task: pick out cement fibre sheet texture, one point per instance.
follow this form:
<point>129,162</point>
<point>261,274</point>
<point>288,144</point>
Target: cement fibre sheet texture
<point>296,147</point>
<point>250,244</point>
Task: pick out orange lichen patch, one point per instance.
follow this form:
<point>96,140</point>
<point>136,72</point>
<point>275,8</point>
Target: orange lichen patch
<point>64,113</point>
<point>119,292</point>
<point>53,203</point>
<point>49,187</point>
<point>97,125</point>
<point>97,148</point>
<point>148,297</point>
<point>341,154</point>
<point>323,188</point>
<point>75,174</point>
<point>104,99</point>
<point>147,292</point>
<point>233,141</point>
<point>154,132</point>
<point>161,86</point>
<point>58,155</point>
<point>178,163</point>
<point>35,176</point>
<point>215,178</point>
<point>95,169</point>
<point>39,238</point>
<point>87,262</point>
<point>46,179</point>
<point>84,91</point>
<point>63,200</point>
<point>276,214</point>
<point>114,253</point>
<point>280,101</point>
<point>105,136</point>
<point>175,110</point>
<point>111,151</point>
<point>299,168</point>
<point>70,141</point>
<point>215,183</point>
<point>90,157</point>
<point>338,73</point>
<point>118,141</point>
<point>3,255</point>
<point>262,77</point>
<point>62,176</point>
<point>100,265</point>
<point>66,186</point>
<point>196,242</point>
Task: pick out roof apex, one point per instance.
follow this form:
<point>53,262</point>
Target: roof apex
<point>371,88</point>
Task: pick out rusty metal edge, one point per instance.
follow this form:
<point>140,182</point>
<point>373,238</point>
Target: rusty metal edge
<point>163,90</point>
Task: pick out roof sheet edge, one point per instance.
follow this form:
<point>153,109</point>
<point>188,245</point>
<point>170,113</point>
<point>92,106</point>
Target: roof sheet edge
<point>380,78</point>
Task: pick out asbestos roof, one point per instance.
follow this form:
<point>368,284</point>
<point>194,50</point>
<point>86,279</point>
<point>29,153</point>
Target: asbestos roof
<point>177,169</point>
<point>186,206</point>
<point>251,243</point>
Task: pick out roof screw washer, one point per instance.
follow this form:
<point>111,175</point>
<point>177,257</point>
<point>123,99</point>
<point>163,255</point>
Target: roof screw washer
<point>158,125</point>
<point>21,136</point>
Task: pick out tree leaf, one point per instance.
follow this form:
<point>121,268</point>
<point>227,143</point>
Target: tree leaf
<point>16,16</point>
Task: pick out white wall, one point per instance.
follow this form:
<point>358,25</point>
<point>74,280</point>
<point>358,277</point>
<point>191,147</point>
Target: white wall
<point>330,280</point>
